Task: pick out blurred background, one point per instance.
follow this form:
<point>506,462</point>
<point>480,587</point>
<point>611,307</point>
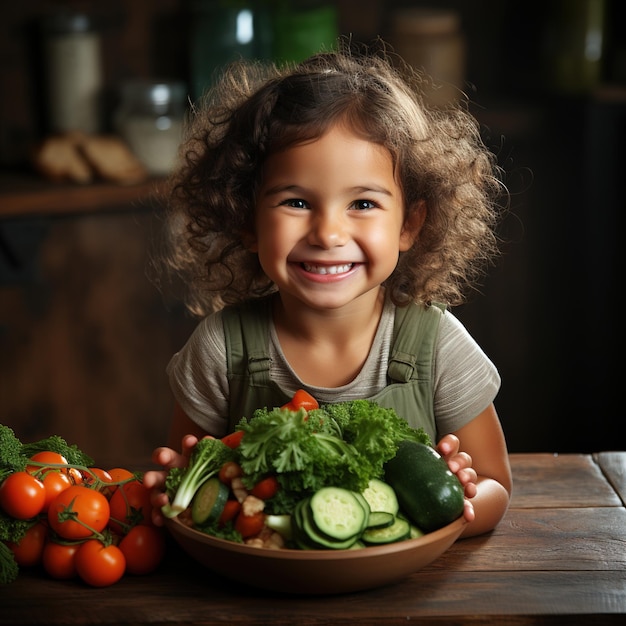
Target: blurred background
<point>92,97</point>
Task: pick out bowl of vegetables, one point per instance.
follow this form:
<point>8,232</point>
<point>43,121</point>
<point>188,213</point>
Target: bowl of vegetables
<point>316,500</point>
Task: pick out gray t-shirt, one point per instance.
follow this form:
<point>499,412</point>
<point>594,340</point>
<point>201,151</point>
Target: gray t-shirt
<point>465,380</point>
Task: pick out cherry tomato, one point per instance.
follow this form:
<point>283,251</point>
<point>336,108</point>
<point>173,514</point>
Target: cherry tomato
<point>228,471</point>
<point>28,550</point>
<point>22,495</point>
<point>55,459</point>
<point>250,525</point>
<point>99,565</point>
<point>54,482</point>
<point>143,548</point>
<point>234,439</point>
<point>89,478</point>
<point>58,559</point>
<point>266,488</point>
<point>302,400</point>
<point>130,505</point>
<point>46,456</point>
<point>118,474</point>
<point>231,509</point>
<point>78,511</point>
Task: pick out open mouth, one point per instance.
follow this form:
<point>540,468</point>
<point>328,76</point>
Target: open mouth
<point>328,269</point>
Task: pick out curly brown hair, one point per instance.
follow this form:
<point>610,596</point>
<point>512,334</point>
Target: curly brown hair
<point>255,109</point>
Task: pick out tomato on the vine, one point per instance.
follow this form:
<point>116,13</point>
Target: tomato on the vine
<point>130,505</point>
<point>54,482</point>
<point>28,550</point>
<point>22,495</point>
<point>46,456</point>
<point>55,459</point>
<point>118,474</point>
<point>58,559</point>
<point>78,512</point>
<point>143,547</point>
<point>99,565</point>
<point>96,473</point>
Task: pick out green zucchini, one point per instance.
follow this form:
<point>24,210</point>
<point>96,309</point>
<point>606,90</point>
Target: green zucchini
<point>209,501</point>
<point>429,494</point>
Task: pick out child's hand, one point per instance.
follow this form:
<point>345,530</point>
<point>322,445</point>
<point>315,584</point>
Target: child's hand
<point>155,479</point>
<point>460,464</point>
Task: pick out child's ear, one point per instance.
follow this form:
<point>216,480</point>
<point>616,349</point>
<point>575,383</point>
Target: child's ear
<point>412,225</point>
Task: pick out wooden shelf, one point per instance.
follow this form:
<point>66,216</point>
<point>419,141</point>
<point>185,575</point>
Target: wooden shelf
<point>29,196</point>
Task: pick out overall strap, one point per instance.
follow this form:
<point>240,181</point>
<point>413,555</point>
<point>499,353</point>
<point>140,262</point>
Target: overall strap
<point>246,329</point>
<point>414,333</point>
<point>246,332</point>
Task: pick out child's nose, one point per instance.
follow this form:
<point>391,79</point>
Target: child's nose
<point>328,230</point>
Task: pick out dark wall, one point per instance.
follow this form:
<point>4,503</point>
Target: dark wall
<point>546,313</point>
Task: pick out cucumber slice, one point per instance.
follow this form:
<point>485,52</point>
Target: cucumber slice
<point>398,531</point>
<point>381,497</point>
<point>209,501</point>
<point>338,513</point>
<point>317,539</point>
<point>380,519</point>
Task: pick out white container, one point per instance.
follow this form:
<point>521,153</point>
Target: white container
<point>74,76</point>
<point>150,118</point>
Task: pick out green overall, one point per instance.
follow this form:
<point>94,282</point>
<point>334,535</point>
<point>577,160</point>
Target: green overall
<point>409,373</point>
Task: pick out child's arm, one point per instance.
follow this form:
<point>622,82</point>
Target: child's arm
<point>477,454</point>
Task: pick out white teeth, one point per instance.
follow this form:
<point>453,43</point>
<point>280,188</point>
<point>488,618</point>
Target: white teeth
<point>327,269</point>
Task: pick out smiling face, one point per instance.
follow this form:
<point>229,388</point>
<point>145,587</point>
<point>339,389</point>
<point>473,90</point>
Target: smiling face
<point>330,220</point>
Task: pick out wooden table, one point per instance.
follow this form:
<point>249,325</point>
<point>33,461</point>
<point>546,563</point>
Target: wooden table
<point>558,557</point>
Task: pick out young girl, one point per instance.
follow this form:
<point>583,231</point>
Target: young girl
<point>324,219</point>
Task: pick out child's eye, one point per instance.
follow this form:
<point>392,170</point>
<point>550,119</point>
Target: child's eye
<point>296,203</point>
<point>363,205</point>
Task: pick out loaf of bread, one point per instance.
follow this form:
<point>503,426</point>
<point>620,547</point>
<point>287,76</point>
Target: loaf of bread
<point>59,160</point>
<point>81,158</point>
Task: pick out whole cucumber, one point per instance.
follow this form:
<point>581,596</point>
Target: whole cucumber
<point>428,492</point>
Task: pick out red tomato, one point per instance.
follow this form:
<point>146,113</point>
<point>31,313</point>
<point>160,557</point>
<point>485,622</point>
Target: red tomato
<point>22,495</point>
<point>266,488</point>
<point>302,400</point>
<point>234,439</point>
<point>58,559</point>
<point>130,505</point>
<point>250,525</point>
<point>78,512</point>
<point>55,459</point>
<point>143,548</point>
<point>54,482</point>
<point>99,565</point>
<point>231,509</point>
<point>89,477</point>
<point>228,471</point>
<point>118,474</point>
<point>28,550</point>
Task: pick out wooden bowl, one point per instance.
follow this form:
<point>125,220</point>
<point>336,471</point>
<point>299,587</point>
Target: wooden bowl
<point>315,572</point>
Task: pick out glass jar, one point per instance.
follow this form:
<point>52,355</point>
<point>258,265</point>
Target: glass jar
<point>150,119</point>
<point>74,75</point>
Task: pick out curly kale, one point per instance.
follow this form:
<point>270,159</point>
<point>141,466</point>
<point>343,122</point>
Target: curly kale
<point>13,530</point>
<point>345,444</point>
<point>11,457</point>
<point>54,443</point>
